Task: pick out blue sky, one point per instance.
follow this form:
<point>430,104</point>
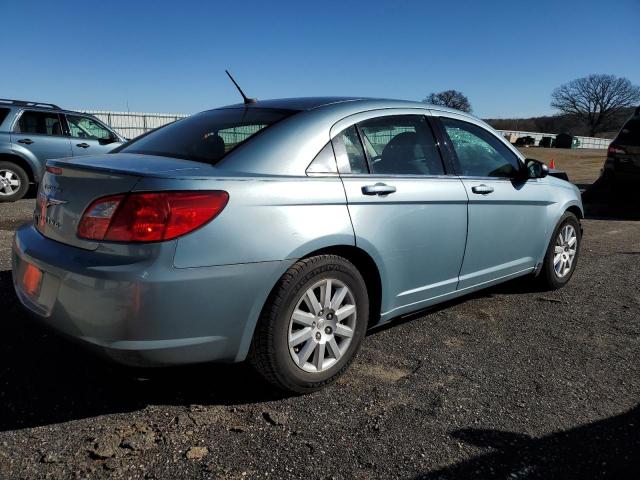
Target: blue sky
<point>161,56</point>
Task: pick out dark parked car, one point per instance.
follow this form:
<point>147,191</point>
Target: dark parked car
<point>623,157</point>
<point>32,133</point>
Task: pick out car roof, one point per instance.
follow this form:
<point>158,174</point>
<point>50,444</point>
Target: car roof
<point>357,103</point>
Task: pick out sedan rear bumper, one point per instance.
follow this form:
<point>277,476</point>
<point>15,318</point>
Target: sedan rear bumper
<point>139,309</point>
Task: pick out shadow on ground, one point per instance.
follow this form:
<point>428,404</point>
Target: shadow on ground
<point>607,448</point>
<point>45,379</point>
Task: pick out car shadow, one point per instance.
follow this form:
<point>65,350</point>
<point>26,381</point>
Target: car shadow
<point>608,448</point>
<point>45,379</point>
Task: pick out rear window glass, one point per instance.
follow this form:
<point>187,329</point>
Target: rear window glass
<point>208,136</point>
<point>3,114</point>
<point>630,133</point>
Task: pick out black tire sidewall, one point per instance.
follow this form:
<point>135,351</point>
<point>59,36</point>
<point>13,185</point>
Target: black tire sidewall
<point>346,273</point>
<point>24,181</point>
<point>549,272</point>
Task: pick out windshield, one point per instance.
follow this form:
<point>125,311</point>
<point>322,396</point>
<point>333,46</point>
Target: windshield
<point>630,133</point>
<point>207,136</point>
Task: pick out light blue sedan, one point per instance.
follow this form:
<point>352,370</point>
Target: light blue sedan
<point>279,231</point>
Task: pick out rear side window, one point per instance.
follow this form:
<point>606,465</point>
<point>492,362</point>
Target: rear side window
<point>3,114</point>
<point>479,152</point>
<point>349,153</point>
<point>42,123</point>
<point>630,133</point>
<point>401,145</point>
<point>208,136</point>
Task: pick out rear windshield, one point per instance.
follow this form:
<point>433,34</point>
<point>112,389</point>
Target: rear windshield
<point>630,133</point>
<point>205,137</point>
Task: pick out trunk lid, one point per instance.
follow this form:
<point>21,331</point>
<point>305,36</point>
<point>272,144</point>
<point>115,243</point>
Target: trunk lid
<point>64,195</point>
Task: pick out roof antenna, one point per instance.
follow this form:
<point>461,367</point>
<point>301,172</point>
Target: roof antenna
<point>246,99</point>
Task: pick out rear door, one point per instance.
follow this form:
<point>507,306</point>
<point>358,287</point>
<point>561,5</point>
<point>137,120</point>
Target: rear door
<point>88,136</point>
<point>507,215</point>
<point>42,133</point>
<point>406,211</point>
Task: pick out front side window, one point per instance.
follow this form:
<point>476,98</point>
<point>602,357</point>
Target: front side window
<point>480,153</point>
<point>401,145</point>
<point>206,137</point>
<point>41,123</point>
<point>85,127</point>
<point>349,153</point>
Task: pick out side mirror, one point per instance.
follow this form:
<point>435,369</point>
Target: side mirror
<point>535,168</point>
<point>106,141</point>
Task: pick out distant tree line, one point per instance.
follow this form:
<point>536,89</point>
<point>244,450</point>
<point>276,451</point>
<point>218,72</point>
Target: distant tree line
<point>596,105</point>
<point>563,123</point>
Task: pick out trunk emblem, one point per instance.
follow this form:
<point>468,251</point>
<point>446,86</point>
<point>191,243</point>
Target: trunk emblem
<point>46,202</point>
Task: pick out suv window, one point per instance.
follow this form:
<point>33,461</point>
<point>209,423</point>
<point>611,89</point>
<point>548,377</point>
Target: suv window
<point>42,123</point>
<point>479,152</point>
<point>349,153</point>
<point>3,114</point>
<point>205,137</point>
<point>630,133</point>
<point>402,144</point>
<point>85,127</point>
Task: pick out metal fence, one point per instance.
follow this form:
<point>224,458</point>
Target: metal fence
<point>582,142</point>
<point>132,124</point>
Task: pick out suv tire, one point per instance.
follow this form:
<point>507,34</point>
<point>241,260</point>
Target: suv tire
<point>14,182</point>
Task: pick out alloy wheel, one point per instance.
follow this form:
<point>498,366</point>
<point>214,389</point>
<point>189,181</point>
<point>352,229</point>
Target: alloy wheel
<point>565,251</point>
<point>322,325</point>
<point>9,182</point>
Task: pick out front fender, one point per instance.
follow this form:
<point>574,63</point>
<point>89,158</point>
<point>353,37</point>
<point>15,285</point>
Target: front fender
<point>566,198</point>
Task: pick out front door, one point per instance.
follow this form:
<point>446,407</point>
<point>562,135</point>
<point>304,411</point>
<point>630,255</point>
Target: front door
<point>405,210</point>
<point>42,134</point>
<point>507,227</point>
<point>88,137</point>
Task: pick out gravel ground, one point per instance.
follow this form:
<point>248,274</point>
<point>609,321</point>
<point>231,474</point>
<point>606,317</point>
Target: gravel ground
<point>508,383</point>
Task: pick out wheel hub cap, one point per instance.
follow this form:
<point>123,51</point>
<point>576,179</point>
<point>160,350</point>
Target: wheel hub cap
<point>9,182</point>
<point>322,325</point>
<point>565,251</point>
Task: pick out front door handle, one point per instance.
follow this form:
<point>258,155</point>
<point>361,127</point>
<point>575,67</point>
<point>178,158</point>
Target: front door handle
<point>83,145</point>
<point>26,141</point>
<point>482,189</point>
<point>378,189</point>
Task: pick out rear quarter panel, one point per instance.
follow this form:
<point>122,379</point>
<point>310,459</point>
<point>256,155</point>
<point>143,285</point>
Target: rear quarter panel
<point>266,219</point>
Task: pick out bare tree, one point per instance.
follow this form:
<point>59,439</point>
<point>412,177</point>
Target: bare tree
<point>595,99</point>
<point>451,99</point>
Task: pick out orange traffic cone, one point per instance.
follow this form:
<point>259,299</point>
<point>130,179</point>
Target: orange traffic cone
<point>552,164</point>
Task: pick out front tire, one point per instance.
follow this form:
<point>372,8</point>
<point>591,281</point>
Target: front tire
<point>312,325</point>
<point>562,253</point>
<point>14,182</point>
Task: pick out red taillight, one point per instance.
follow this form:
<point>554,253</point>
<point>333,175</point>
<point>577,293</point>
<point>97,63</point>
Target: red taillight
<point>53,170</point>
<point>615,149</point>
<point>150,217</point>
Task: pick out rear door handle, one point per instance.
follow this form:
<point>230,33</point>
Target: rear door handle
<point>378,189</point>
<point>26,141</point>
<point>83,145</point>
<point>482,189</point>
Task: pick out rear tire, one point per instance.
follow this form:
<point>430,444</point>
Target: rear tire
<point>562,253</point>
<point>14,182</point>
<point>301,346</point>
